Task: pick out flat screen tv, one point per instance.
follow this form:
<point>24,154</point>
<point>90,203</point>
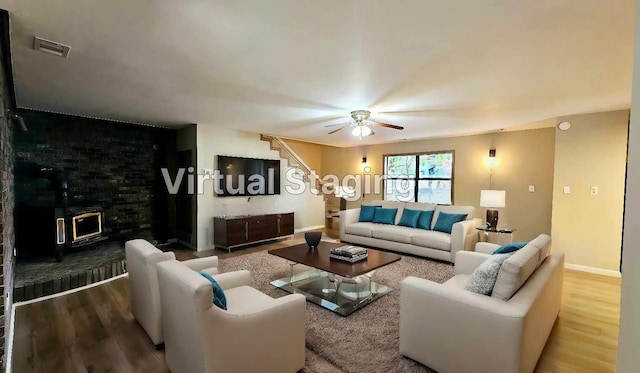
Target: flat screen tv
<point>247,176</point>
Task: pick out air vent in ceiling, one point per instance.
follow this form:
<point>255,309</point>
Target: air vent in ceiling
<point>51,47</point>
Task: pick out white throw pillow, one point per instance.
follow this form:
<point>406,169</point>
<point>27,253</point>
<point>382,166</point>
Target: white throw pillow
<point>483,278</point>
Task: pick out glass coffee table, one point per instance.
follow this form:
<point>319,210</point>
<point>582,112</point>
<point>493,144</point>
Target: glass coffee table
<point>336,285</point>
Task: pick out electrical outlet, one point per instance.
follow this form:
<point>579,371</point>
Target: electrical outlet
<point>207,171</point>
<point>532,188</point>
<point>566,189</point>
<point>594,191</point>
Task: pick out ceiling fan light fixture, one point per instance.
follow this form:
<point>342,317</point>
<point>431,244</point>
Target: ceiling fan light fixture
<point>360,115</point>
<point>361,124</point>
<point>361,130</point>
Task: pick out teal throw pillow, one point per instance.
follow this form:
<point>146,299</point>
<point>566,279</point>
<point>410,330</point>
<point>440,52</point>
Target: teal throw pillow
<point>410,218</point>
<point>367,212</point>
<point>385,216</point>
<point>219,299</point>
<point>446,221</point>
<point>424,222</point>
<point>511,247</point>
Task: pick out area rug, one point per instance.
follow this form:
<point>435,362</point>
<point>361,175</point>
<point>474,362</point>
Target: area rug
<point>365,341</point>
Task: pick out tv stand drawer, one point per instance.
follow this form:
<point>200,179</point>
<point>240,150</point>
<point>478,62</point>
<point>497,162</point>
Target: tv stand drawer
<point>231,232</point>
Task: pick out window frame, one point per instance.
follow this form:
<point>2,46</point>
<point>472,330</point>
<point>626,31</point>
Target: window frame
<point>417,178</point>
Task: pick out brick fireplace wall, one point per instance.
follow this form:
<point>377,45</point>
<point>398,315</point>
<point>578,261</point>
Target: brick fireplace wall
<point>6,203</point>
<point>6,226</point>
<point>115,165</point>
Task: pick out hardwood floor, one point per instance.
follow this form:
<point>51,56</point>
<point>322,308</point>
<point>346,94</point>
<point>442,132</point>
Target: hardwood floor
<point>585,337</point>
<point>93,329</point>
<point>89,330</point>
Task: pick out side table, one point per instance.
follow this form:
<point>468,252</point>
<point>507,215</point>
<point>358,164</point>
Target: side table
<point>502,231</point>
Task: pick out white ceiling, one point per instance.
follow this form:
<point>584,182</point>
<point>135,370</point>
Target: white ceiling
<point>289,67</point>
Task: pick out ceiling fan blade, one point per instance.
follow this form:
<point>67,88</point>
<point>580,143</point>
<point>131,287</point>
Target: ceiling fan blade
<point>421,113</point>
<point>388,125</point>
<point>337,124</point>
<point>338,129</point>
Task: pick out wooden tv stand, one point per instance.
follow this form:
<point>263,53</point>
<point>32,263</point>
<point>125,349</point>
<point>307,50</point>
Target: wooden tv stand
<point>235,231</point>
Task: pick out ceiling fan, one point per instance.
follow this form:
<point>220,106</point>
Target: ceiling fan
<point>362,125</point>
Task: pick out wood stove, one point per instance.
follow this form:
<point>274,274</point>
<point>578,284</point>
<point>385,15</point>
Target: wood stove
<point>46,222</point>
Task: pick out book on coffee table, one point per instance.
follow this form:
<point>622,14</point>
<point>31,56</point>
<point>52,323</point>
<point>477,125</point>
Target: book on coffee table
<point>348,253</point>
<point>350,259</point>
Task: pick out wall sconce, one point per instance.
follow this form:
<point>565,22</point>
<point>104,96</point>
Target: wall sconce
<point>16,119</point>
<point>364,165</point>
<point>492,161</point>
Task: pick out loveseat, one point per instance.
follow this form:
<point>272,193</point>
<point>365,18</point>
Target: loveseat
<point>417,241</point>
<point>450,329</point>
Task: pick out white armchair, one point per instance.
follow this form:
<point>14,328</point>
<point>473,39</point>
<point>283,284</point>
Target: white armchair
<point>142,258</point>
<point>255,334</point>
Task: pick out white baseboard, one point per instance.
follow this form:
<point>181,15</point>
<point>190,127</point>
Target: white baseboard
<point>62,293</point>
<point>597,271</point>
<point>9,346</point>
<point>308,228</point>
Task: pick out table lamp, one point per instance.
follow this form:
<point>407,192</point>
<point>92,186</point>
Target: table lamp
<point>492,199</point>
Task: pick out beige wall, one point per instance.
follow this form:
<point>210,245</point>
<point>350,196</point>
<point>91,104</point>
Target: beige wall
<point>525,158</point>
<point>213,140</point>
<point>310,153</point>
<point>588,228</point>
<point>629,341</point>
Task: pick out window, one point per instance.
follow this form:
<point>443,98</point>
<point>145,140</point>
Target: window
<point>426,177</point>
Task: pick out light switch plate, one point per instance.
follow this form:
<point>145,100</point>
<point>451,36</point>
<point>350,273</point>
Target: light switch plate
<point>566,189</point>
<point>532,188</point>
<point>594,191</point>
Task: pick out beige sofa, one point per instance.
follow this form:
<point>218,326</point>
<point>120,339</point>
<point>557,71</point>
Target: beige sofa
<point>416,241</point>
<point>255,334</point>
<point>450,329</point>
<point>142,258</point>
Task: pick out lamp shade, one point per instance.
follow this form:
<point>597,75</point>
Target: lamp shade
<point>492,198</point>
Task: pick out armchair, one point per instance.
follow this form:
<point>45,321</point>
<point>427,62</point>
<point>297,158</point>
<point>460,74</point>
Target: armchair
<point>142,258</point>
<point>255,334</point>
